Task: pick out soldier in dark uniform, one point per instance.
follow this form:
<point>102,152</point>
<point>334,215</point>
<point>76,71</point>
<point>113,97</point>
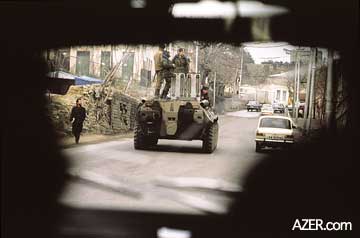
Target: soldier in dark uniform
<point>167,72</point>
<point>181,62</point>
<point>78,113</point>
<point>204,95</point>
<point>205,92</point>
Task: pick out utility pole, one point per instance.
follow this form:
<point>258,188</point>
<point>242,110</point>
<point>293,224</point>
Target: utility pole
<point>297,76</point>
<point>294,113</point>
<point>214,89</point>
<point>241,68</point>
<point>111,55</point>
<point>308,82</point>
<point>196,57</point>
<point>312,91</point>
<point>330,91</point>
<point>235,81</point>
<point>298,87</point>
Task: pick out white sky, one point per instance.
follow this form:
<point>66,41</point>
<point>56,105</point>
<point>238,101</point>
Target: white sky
<point>265,52</point>
<point>216,9</point>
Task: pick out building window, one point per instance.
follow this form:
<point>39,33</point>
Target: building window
<point>278,94</point>
<point>128,66</point>
<point>105,63</point>
<point>63,58</point>
<point>82,63</point>
<point>145,78</point>
<point>284,96</point>
<point>58,60</point>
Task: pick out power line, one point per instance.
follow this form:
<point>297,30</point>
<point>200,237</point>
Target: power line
<point>259,46</point>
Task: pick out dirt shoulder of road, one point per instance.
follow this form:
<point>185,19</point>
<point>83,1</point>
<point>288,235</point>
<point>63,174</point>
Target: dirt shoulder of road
<point>93,139</point>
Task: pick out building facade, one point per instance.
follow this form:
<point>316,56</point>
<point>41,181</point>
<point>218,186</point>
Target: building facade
<point>97,61</point>
<point>269,93</point>
<point>136,61</point>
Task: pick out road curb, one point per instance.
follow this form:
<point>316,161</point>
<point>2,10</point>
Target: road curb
<point>69,142</point>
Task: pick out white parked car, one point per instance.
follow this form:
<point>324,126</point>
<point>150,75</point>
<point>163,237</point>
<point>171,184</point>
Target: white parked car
<point>267,109</point>
<point>274,131</point>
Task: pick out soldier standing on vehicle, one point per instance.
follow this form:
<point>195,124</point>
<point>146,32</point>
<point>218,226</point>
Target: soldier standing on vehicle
<point>78,113</point>
<point>181,62</point>
<point>167,72</point>
<point>158,69</point>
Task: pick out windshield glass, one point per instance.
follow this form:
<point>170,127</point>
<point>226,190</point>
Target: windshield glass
<point>130,116</point>
<point>275,123</point>
<point>125,123</point>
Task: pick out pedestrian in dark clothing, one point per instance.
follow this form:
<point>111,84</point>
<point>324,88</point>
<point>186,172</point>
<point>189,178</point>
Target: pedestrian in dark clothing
<point>78,113</point>
<point>205,92</point>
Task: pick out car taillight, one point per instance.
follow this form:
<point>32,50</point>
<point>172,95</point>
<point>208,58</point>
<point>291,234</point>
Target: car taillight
<point>260,134</point>
<point>289,136</point>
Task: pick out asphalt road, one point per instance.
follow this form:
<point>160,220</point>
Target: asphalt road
<point>135,174</point>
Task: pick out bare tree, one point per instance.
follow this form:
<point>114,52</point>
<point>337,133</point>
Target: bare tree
<point>224,59</point>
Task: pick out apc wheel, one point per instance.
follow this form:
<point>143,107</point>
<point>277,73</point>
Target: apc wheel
<point>142,141</point>
<point>139,138</point>
<point>211,138</point>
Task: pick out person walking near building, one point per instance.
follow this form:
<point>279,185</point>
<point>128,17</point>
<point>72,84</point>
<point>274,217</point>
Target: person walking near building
<point>181,62</point>
<point>78,113</point>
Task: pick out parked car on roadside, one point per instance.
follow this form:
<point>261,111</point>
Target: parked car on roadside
<point>253,105</point>
<point>267,109</point>
<point>274,131</point>
<point>278,107</point>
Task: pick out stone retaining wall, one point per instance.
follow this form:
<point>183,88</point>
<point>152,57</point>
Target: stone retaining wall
<point>114,116</point>
<point>123,112</point>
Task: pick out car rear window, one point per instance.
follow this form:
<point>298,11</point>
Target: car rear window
<point>275,123</point>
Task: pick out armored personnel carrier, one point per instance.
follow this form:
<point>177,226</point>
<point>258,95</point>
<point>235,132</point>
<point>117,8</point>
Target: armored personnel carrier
<point>183,116</point>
